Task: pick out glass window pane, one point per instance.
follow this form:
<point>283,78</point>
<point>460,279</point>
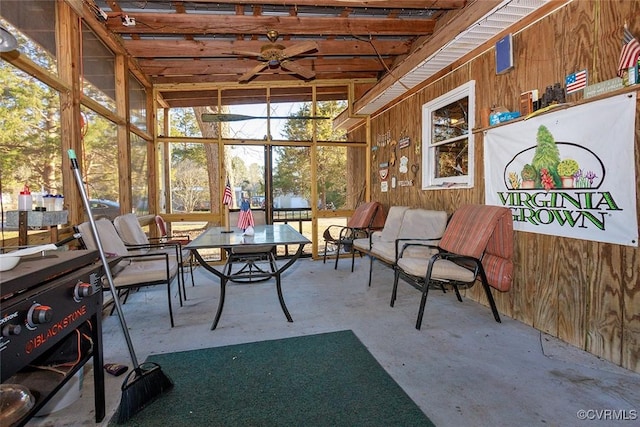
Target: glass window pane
<point>100,159</point>
<point>450,121</point>
<point>137,104</point>
<point>182,122</point>
<point>139,175</point>
<point>330,175</point>
<point>30,141</point>
<point>98,70</point>
<point>189,178</point>
<point>452,159</point>
<point>246,175</point>
<point>32,24</point>
<point>247,111</point>
<point>292,177</point>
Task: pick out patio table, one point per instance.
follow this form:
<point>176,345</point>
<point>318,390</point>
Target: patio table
<point>260,244</point>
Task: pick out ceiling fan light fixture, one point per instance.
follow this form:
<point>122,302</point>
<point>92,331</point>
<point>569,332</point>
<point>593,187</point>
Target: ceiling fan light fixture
<point>272,35</point>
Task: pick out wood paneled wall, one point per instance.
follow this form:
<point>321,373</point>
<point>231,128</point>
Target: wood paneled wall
<point>585,293</point>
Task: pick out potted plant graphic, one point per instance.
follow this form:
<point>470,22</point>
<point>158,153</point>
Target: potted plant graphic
<point>528,175</point>
<point>567,169</point>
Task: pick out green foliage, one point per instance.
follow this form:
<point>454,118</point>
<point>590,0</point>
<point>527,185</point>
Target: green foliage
<point>293,173</point>
<point>528,173</point>
<point>183,122</point>
<point>568,167</point>
<point>546,156</point>
<point>30,139</point>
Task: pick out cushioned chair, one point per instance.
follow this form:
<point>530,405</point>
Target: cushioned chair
<point>250,262</point>
<point>135,270</point>
<point>477,244</point>
<point>179,239</point>
<point>135,238</point>
<point>367,218</point>
<point>403,225</point>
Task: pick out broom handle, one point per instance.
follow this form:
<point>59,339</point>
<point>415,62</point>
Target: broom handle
<point>107,269</point>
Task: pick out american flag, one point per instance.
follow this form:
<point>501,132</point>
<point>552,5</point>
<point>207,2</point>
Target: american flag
<point>227,196</point>
<point>245,217</point>
<point>630,52</point>
<point>576,81</point>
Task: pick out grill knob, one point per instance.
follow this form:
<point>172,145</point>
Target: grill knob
<point>82,290</point>
<point>39,314</point>
<point>11,330</point>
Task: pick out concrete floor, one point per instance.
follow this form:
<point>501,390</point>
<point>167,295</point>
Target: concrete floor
<point>462,368</point>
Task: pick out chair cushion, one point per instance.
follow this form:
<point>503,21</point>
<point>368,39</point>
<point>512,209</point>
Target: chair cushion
<point>140,272</point>
<point>470,228</point>
<point>422,224</point>
<point>393,223</point>
<point>363,243</point>
<point>109,237</point>
<point>484,232</point>
<point>129,229</point>
<point>443,269</point>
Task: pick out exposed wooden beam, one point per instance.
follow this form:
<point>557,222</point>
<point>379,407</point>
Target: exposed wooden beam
<point>261,78</point>
<point>182,67</point>
<point>221,48</point>
<point>201,24</point>
<point>371,4</point>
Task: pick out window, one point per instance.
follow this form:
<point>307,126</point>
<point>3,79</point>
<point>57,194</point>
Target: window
<point>448,143</point>
<point>137,104</point>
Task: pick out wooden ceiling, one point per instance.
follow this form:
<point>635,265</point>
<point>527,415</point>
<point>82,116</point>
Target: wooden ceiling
<point>209,41</point>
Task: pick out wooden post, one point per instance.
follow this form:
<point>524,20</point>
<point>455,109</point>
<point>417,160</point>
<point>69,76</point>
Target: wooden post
<point>226,219</point>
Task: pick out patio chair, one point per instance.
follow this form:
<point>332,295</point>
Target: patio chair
<point>134,270</point>
<point>367,218</point>
<point>179,239</point>
<point>134,237</point>
<point>252,260</point>
<point>477,244</point>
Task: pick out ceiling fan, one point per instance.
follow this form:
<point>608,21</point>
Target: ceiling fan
<point>275,55</point>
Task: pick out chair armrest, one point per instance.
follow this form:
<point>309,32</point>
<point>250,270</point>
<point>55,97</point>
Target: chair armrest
<point>427,243</point>
<point>148,255</point>
<point>353,233</point>
<point>463,260</point>
<point>133,247</point>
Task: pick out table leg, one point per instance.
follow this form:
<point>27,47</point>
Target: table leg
<point>223,284</point>
<point>281,299</point>
<point>223,287</point>
<point>225,276</point>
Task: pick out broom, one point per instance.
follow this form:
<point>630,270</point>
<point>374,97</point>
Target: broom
<point>145,382</point>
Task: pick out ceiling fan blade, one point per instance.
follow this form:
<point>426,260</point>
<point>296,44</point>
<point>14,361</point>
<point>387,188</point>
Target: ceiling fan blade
<point>252,72</point>
<point>299,48</point>
<point>302,71</point>
<point>246,53</point>
<point>227,117</point>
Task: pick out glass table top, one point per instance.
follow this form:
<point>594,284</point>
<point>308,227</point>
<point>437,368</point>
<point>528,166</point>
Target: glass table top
<point>276,234</point>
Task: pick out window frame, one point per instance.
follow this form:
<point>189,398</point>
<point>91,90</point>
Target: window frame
<point>429,180</point>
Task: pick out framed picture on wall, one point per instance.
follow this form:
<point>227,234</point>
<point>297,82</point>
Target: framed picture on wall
<point>504,54</point>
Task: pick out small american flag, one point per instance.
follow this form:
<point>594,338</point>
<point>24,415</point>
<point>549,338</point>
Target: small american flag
<point>630,52</point>
<point>227,196</point>
<point>245,217</point>
<point>576,81</point>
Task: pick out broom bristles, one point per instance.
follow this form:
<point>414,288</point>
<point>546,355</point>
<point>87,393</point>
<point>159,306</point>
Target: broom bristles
<point>138,391</point>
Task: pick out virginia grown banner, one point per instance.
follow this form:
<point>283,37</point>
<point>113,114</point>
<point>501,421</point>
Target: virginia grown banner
<point>568,173</point>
